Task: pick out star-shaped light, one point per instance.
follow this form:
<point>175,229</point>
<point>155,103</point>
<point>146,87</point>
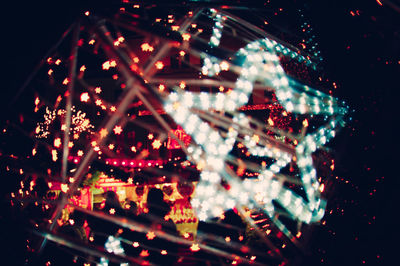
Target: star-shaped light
<point>150,235</point>
<point>80,153</point>
<point>156,144</point>
<point>112,211</point>
<point>212,148</point>
<point>57,142</point>
<point>97,90</point>
<point>98,102</point>
<point>113,108</point>
<point>194,247</point>
<point>103,133</point>
<point>117,130</point>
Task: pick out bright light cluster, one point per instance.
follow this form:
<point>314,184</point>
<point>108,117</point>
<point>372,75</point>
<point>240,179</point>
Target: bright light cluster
<point>79,122</point>
<point>260,63</point>
<point>112,245</point>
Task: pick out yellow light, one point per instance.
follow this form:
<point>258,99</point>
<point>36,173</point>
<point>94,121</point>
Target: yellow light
<point>182,53</point>
<point>64,188</point>
<point>146,47</point>
<point>80,153</point>
<point>117,130</point>
<point>194,247</point>
<point>156,144</point>
<point>270,121</point>
<point>224,66</point>
<point>54,155</point>
<point>159,65</point>
<point>182,85</point>
<point>150,235</point>
<point>85,97</point>
<point>186,36</point>
<point>103,133</point>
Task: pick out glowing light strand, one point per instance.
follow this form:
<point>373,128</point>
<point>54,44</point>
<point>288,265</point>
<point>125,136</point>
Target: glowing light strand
<point>260,62</point>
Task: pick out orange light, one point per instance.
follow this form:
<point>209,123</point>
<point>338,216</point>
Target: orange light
<point>182,85</point>
<point>305,123</point>
<point>83,68</point>
<point>50,72</point>
<point>111,146</point>
<point>92,41</point>
<point>161,87</point>
<point>103,133</point>
<point>65,81</point>
<point>163,252</point>
<point>379,2</point>
<point>70,144</point>
<point>58,61</point>
<point>182,53</point>
<point>150,235</point>
<point>144,253</point>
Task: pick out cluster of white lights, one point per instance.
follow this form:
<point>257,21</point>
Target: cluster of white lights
<point>217,29</point>
<point>260,63</point>
<point>112,245</point>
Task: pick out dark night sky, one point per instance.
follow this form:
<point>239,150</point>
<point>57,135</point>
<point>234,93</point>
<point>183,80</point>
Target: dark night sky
<point>362,53</point>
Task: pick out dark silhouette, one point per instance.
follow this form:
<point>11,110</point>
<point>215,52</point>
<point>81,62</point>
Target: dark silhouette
<point>101,229</point>
<point>155,221</point>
